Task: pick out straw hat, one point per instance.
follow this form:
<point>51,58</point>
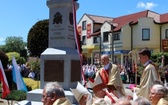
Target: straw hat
<point>79,91</point>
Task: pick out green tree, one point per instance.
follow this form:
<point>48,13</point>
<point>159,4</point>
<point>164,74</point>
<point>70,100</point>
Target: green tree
<point>4,59</point>
<point>13,44</point>
<point>38,38</point>
<point>2,47</point>
<point>19,60</point>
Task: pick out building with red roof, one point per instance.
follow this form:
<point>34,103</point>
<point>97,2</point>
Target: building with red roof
<point>117,36</point>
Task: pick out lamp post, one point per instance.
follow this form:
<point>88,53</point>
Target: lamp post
<point>100,50</point>
<point>112,46</point>
<point>110,33</point>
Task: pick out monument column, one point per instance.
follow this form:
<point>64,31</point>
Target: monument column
<point>60,61</point>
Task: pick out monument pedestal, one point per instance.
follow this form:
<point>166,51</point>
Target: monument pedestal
<point>61,65</point>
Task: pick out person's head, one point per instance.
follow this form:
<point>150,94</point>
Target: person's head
<point>144,55</point>
<point>105,59</point>
<point>159,82</point>
<point>51,92</point>
<point>86,99</point>
<point>123,101</point>
<point>157,92</point>
<point>142,101</point>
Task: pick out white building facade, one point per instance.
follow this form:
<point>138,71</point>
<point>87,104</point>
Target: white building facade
<point>118,36</point>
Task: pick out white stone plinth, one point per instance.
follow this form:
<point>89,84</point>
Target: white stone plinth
<point>35,96</point>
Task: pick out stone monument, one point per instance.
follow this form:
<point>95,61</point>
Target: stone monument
<point>60,61</point>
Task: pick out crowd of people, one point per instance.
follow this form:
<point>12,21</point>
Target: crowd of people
<point>89,71</point>
<point>25,70</point>
<point>106,87</point>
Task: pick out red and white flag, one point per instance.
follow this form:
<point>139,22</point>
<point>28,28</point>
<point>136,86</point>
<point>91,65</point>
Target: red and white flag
<point>4,83</point>
<point>77,39</point>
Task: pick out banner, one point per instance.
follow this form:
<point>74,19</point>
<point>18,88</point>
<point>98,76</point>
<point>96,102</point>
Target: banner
<point>4,83</point>
<point>77,37</point>
<point>165,45</point>
<point>80,30</point>
<point>88,31</point>
<point>17,78</point>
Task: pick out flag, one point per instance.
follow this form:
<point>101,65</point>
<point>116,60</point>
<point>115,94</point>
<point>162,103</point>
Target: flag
<point>77,39</point>
<point>4,83</point>
<point>17,78</point>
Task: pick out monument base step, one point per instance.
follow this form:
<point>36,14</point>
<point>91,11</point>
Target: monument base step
<point>36,96</point>
<point>26,102</point>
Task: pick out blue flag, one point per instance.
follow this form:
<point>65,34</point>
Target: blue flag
<point>17,78</point>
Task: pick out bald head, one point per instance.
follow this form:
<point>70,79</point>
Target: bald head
<point>123,102</point>
<point>105,59</point>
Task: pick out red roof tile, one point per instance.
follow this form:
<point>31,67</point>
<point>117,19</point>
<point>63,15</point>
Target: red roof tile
<point>119,22</point>
<point>123,20</point>
<point>164,18</point>
<point>99,19</point>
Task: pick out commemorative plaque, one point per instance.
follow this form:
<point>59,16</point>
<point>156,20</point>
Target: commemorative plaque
<point>75,70</point>
<point>54,70</point>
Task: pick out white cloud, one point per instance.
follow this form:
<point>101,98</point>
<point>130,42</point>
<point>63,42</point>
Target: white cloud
<point>2,39</point>
<point>148,5</point>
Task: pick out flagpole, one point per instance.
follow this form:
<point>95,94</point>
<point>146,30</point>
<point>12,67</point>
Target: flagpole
<point>77,38</point>
<point>133,55</point>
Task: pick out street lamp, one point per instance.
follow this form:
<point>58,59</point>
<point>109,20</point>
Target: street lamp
<point>100,50</point>
<point>112,46</point>
<point>110,33</point>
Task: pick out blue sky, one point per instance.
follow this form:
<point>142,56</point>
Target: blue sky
<point>18,16</point>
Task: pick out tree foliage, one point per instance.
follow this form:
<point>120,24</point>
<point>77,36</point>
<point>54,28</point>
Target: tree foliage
<point>157,58</point>
<point>19,60</point>
<point>13,44</point>
<point>38,38</point>
<point>4,59</point>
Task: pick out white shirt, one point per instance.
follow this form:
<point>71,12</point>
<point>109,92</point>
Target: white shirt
<point>31,75</point>
<point>106,67</point>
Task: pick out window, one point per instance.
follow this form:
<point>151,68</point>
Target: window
<point>96,39</point>
<point>84,25</point>
<point>146,34</point>
<point>105,36</point>
<point>84,40</point>
<point>166,33</point>
<point>116,36</point>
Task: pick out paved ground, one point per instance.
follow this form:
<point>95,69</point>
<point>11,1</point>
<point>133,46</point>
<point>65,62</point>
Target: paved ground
<point>5,102</point>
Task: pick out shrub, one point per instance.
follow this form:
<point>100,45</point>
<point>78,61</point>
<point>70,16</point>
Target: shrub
<point>17,95</point>
<point>19,60</point>
<point>31,84</point>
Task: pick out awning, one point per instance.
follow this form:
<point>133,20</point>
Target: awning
<point>88,47</point>
<point>116,52</point>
